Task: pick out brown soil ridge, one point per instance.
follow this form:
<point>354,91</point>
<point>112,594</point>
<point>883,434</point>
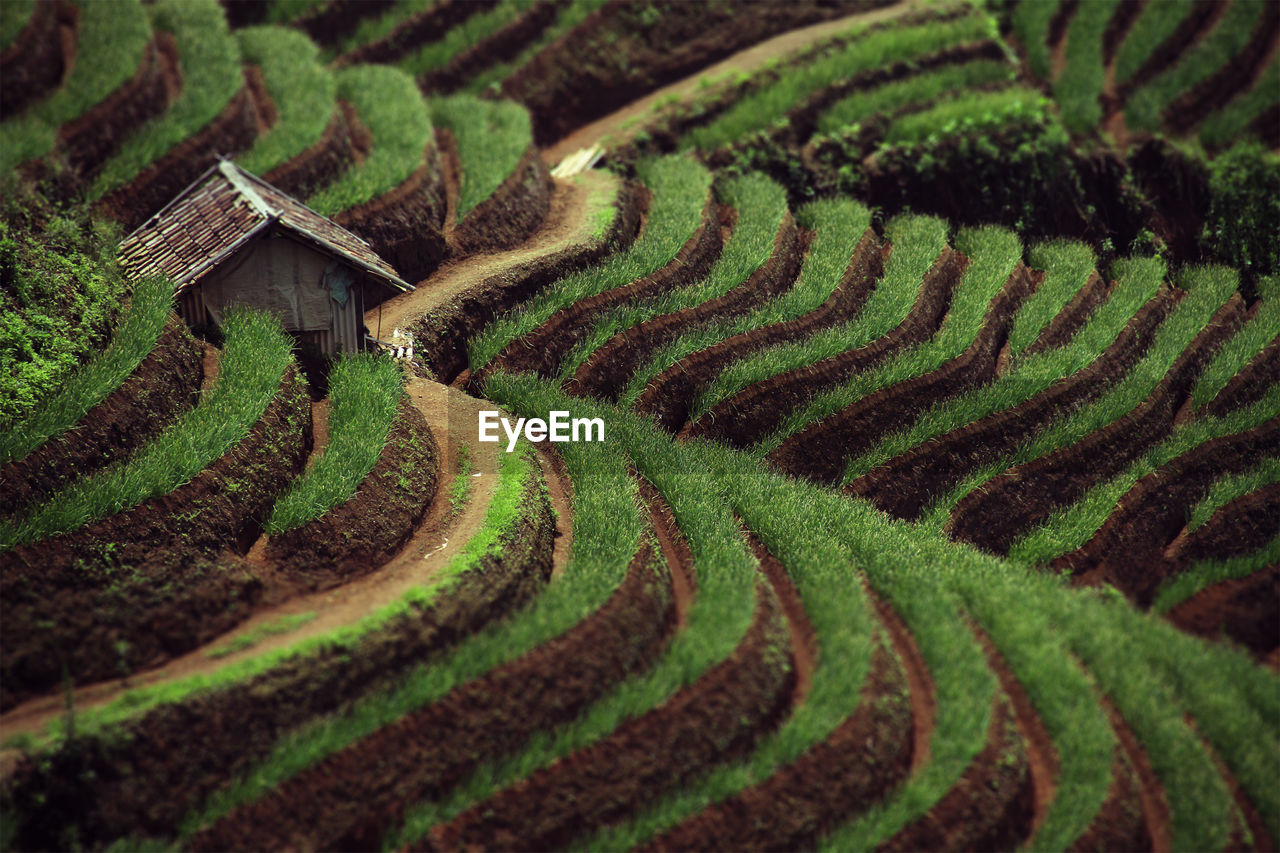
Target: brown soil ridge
<point>414,31</point>
<point>1237,75</point>
<point>369,528</point>
<point>924,700</point>
<point>1246,610</point>
<point>991,518</point>
<point>1128,550</point>
<point>405,226</point>
<point>1042,754</point>
<point>350,798</point>
<point>1073,317</point>
<point>317,166</point>
<point>328,24</point>
<point>1120,823</point>
<point>163,385</point>
<point>543,349</point>
<point>990,807</point>
<point>671,396</point>
<point>1254,379</point>
<point>37,61</point>
<point>233,130</point>
<point>1200,20</point>
<point>609,367</point>
<point>563,92</point>
<point>1127,11</point>
<point>89,141</point>
<point>505,45</point>
<point>443,330</point>
<point>866,756</point>
<point>858,426</point>
<point>512,214</point>
<point>1241,527</point>
<point>219,506</point>
<point>906,485</point>
<point>144,775</point>
<point>717,718</point>
<point>757,411</point>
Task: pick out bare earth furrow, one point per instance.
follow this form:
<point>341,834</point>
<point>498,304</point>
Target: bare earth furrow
<point>1073,317</point>
<point>1245,609</point>
<point>757,411</point>
<point>609,367</point>
<point>1247,386</point>
<point>908,483</point>
<point>670,396</point>
<point>819,451</point>
<point>1010,503</point>
<point>1241,527</point>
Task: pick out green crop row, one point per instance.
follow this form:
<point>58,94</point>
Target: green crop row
<point>875,49</point>
<point>1031,25</point>
<point>364,392</point>
<point>1205,573</point>
<point>1070,527</point>
<point>1261,329</point>
<point>969,113</point>
<point>918,89</point>
<point>1232,121</point>
<point>377,27</point>
<point>492,136</point>
<point>1068,265</point>
<point>256,355</point>
<point>134,338</point>
<point>761,205</point>
<point>1233,486</point>
<point>437,54</point>
<point>302,90</point>
<point>992,253</point>
<point>1155,23</point>
<point>839,225</point>
<point>211,77</point>
<point>917,241</point>
<point>1080,84</point>
<point>1146,106</point>
<point>110,41</point>
<point>1210,287</point>
<point>287,11</point>
<point>570,15</point>
<point>679,187</point>
<point>390,106</point>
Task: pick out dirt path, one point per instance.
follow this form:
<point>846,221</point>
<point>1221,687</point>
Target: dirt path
<point>566,224</point>
<point>618,127</point>
<point>451,415</point>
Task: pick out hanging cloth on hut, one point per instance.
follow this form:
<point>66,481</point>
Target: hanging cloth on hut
<point>338,278</point>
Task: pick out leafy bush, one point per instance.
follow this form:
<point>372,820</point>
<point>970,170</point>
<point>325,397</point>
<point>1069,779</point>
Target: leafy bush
<point>60,287</point>
<point>1244,209</point>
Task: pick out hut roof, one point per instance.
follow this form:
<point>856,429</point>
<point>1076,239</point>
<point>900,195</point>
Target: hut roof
<point>222,211</point>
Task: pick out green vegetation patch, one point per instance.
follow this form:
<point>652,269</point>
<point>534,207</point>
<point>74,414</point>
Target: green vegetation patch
<point>492,136</point>
<point>969,113</point>
<point>1232,121</point>
<point>14,15</point>
<point>88,386</point>
<point>364,393</point>
<point>1155,23</point>
<point>878,48</point>
<point>1261,329</point>
<point>256,355</point>
<point>1233,486</point>
<point>1031,25</point>
<point>475,29</point>
<point>570,15</point>
<point>1067,266</point>
<point>1079,86</point>
<point>918,89</point>
<point>211,77</point>
<point>301,88</point>
<point>391,108</point>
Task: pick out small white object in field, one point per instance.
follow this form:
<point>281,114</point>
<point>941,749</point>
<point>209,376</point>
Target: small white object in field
<point>579,161</point>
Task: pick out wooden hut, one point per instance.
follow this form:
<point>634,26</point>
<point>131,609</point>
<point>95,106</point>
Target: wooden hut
<point>233,239</point>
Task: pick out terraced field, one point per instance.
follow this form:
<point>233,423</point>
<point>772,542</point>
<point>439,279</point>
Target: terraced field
<point>936,353</point>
